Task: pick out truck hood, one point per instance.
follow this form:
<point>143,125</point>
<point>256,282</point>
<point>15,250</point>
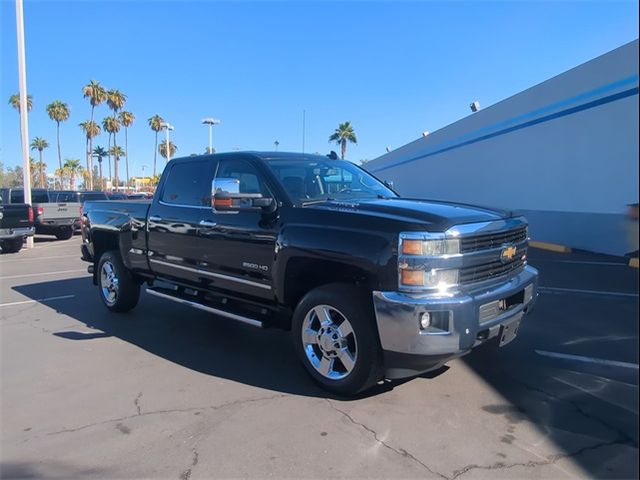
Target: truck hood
<point>436,214</point>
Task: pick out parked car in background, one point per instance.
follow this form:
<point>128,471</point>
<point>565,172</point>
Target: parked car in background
<point>78,196</point>
<point>51,216</point>
<point>117,196</point>
<point>139,196</point>
<point>16,224</point>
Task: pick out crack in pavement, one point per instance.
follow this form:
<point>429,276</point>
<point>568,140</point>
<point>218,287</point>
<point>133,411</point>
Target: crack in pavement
<point>164,412</point>
<point>399,451</point>
<point>551,460</point>
<point>187,473</point>
<point>136,402</point>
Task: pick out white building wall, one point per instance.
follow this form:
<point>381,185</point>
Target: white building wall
<point>564,152</point>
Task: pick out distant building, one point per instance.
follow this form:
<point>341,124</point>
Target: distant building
<point>564,152</point>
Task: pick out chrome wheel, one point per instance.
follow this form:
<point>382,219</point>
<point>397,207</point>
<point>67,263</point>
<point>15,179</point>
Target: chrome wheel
<point>109,283</point>
<point>329,342</point>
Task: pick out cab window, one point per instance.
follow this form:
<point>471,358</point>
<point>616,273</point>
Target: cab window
<point>188,184</point>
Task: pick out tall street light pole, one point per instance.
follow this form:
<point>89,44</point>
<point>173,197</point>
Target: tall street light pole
<point>24,123</point>
<point>211,122</point>
<point>276,143</point>
<point>167,127</point>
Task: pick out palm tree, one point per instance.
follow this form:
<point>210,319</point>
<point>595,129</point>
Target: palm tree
<point>14,101</point>
<point>58,112</point>
<point>40,144</point>
<point>116,152</point>
<point>73,168</point>
<point>343,134</point>
<point>91,129</point>
<point>96,94</point>
<point>111,125</point>
<point>100,153</point>
<point>127,118</point>
<point>61,173</point>
<point>33,171</point>
<point>116,100</point>
<point>155,123</point>
<point>162,149</point>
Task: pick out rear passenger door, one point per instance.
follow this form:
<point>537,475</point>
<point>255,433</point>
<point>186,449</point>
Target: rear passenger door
<point>174,218</point>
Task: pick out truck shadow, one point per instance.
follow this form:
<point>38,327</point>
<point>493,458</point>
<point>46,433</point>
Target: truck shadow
<point>197,340</point>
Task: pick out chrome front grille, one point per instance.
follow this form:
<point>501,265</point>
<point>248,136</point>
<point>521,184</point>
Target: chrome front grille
<point>492,240</point>
<point>492,270</point>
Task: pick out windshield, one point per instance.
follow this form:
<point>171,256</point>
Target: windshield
<point>308,181</point>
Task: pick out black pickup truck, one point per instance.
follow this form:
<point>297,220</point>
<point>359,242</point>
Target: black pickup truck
<point>371,285</point>
<point>16,224</point>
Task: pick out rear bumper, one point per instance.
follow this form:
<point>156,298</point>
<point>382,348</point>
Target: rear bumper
<point>9,233</point>
<point>467,320</point>
<point>50,227</point>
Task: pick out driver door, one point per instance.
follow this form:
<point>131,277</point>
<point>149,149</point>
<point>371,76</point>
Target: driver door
<point>239,247</point>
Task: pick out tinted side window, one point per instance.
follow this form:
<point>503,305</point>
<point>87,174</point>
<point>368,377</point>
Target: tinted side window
<point>188,183</point>
<point>39,197</point>
<point>17,196</point>
<point>66,197</point>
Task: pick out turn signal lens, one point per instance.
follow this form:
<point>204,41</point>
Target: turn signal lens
<point>412,277</point>
<point>412,247</point>
<point>429,248</point>
<point>433,279</point>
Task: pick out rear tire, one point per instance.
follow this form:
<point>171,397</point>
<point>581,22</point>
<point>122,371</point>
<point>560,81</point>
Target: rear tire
<point>64,233</point>
<point>336,338</point>
<point>117,288</point>
<point>13,245</point>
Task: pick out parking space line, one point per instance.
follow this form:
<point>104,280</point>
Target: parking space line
<point>559,290</point>
<point>44,273</point>
<point>39,258</point>
<point>48,299</point>
<point>579,358</point>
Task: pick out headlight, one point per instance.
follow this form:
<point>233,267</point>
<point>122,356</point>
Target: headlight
<point>440,279</point>
<point>431,248</point>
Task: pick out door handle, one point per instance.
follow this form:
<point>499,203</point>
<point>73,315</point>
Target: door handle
<point>155,218</point>
<point>205,223</point>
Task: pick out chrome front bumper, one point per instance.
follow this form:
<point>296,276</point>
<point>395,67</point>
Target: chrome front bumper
<point>9,233</point>
<point>474,317</point>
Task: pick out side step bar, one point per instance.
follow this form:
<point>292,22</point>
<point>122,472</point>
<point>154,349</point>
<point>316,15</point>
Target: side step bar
<point>206,308</point>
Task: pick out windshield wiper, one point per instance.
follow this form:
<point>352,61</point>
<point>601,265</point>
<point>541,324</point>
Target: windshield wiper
<point>321,200</point>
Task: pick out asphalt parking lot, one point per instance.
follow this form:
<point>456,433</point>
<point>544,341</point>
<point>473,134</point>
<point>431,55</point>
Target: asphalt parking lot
<point>169,392</point>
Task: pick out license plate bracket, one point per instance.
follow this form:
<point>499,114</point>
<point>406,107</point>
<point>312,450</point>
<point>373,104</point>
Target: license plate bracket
<point>509,330</point>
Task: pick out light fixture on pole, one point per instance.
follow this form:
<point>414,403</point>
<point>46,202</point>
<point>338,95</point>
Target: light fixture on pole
<point>167,126</point>
<point>276,143</point>
<point>211,122</point>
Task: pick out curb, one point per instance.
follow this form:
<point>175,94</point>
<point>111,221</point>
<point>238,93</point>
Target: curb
<point>633,262</point>
<point>553,247</point>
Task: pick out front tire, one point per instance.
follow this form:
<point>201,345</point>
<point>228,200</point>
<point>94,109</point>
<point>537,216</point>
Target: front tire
<point>118,290</point>
<point>13,245</point>
<point>336,338</point>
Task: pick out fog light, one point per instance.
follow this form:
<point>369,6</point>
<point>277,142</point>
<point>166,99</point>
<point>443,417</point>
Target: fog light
<point>425,321</point>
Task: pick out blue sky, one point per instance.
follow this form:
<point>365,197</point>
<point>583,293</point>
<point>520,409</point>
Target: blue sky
<point>394,69</point>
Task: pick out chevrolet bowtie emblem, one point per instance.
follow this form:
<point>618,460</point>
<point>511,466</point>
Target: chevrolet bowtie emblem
<point>508,252</point>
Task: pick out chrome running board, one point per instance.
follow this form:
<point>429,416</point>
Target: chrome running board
<point>206,308</point>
